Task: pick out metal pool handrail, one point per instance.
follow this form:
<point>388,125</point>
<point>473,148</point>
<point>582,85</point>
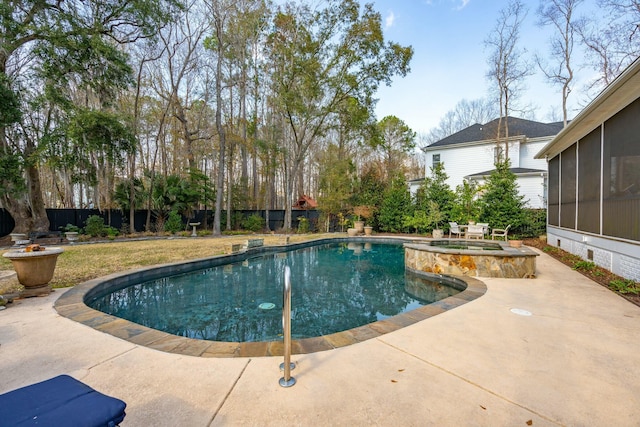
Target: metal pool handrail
<point>287,380</point>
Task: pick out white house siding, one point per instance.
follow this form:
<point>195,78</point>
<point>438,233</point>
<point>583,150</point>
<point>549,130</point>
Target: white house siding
<point>514,154</point>
<point>467,159</point>
<point>460,161</point>
<point>532,188</point>
<point>528,152</point>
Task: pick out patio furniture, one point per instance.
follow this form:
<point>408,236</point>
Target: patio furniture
<point>454,228</point>
<point>500,232</point>
<point>60,401</point>
<point>474,231</point>
<point>485,229</point>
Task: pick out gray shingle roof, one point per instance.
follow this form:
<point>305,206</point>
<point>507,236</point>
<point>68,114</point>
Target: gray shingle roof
<point>478,132</point>
<point>517,171</point>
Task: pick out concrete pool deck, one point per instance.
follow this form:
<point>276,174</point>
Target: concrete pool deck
<point>574,361</point>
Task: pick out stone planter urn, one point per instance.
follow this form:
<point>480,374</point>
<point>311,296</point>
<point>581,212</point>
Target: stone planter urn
<point>34,269</point>
<point>515,243</point>
<point>18,237</point>
<point>367,230</point>
<point>352,232</point>
<point>71,236</point>
<point>359,226</point>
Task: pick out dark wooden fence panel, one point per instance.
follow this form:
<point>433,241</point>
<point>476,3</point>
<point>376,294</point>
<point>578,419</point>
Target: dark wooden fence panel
<point>60,218</point>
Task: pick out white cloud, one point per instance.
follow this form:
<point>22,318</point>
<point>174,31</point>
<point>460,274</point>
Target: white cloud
<point>390,19</point>
<point>462,4</point>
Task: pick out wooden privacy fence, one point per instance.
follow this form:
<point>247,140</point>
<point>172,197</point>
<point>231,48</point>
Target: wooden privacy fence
<point>60,218</point>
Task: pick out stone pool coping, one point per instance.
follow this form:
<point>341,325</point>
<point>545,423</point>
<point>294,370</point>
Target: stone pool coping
<point>72,306</point>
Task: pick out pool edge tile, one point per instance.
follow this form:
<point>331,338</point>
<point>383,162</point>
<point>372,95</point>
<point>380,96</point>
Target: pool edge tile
<point>72,306</point>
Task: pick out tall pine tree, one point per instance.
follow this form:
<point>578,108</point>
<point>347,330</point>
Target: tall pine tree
<point>501,202</point>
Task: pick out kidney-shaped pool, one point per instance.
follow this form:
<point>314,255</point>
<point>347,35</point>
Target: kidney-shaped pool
<point>335,287</point>
<point>343,291</point>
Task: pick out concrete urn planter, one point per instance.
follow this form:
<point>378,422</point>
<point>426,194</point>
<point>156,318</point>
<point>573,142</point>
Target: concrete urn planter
<point>352,232</point>
<point>368,230</point>
<point>515,243</point>
<point>18,237</point>
<point>71,236</point>
<point>34,269</point>
<point>359,226</point>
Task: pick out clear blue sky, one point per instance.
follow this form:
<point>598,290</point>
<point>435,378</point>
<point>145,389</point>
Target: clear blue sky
<point>450,59</point>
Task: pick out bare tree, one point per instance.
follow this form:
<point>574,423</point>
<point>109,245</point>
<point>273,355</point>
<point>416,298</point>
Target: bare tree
<point>465,114</point>
<point>559,14</point>
<point>508,66</point>
<point>612,44</point>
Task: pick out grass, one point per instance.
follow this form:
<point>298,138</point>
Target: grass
<point>82,262</point>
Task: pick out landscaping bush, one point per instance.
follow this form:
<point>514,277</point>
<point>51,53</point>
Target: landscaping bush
<point>303,225</point>
<point>173,223</point>
<point>253,223</point>
<point>94,226</point>
<point>395,205</point>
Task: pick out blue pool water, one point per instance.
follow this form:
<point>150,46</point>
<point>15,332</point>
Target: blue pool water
<point>335,287</point>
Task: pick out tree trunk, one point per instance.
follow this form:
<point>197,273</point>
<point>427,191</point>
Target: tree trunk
<point>220,129</point>
<point>21,214</point>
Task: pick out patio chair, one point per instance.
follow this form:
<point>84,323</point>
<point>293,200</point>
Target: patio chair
<point>475,231</point>
<point>60,401</point>
<point>454,228</point>
<point>485,229</point>
<point>500,232</point>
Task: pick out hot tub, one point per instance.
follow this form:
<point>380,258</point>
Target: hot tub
<point>471,258</point>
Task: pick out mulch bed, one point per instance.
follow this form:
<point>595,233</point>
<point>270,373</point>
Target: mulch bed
<point>597,274</point>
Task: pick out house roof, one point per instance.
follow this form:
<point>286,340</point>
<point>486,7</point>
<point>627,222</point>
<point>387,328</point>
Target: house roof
<point>621,92</point>
<point>488,131</point>
<point>305,202</point>
<point>516,171</point>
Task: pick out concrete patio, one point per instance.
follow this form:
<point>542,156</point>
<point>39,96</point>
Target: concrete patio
<point>574,361</point>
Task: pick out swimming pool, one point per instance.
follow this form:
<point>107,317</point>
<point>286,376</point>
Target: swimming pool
<point>336,287</point>
<point>73,305</point>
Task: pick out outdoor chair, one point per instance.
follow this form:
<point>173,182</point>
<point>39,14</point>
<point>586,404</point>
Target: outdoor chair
<point>454,228</point>
<point>60,401</point>
<point>475,231</point>
<point>500,232</point>
<point>485,229</point>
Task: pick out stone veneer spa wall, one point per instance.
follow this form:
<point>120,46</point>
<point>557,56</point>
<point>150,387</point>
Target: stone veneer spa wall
<point>507,262</point>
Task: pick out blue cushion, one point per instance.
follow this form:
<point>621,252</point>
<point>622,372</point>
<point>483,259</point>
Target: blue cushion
<point>60,401</point>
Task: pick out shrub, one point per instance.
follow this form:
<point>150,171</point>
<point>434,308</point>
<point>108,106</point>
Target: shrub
<point>253,223</point>
<point>111,232</point>
<point>419,221</point>
<point>94,226</point>
<point>303,225</point>
<point>501,202</point>
<point>584,265</point>
<point>624,286</point>
<point>395,205</point>
<point>71,228</point>
<point>173,223</point>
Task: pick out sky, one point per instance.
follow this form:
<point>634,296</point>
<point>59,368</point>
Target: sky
<point>450,60</point>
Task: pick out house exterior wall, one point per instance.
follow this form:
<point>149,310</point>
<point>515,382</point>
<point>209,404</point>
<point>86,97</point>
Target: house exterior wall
<point>466,159</point>
<point>528,152</point>
<point>532,187</point>
<point>460,161</point>
<point>594,180</point>
<point>619,257</point>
